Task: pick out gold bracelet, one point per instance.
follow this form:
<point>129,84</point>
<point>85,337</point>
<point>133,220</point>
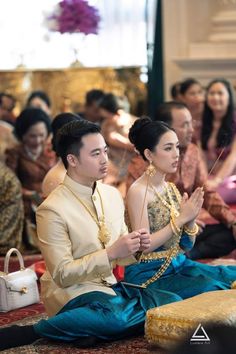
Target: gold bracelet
<point>193,231</point>
<point>172,227</point>
<point>178,229</point>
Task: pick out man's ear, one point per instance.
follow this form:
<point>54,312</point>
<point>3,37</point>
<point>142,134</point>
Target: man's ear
<point>71,159</point>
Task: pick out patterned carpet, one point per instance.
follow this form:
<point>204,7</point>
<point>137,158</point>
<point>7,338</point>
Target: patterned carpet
<point>136,345</point>
<point>33,313</point>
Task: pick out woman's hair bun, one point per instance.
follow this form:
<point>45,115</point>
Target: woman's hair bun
<point>137,128</point>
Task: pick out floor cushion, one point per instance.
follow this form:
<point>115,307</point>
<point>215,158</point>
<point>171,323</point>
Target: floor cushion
<point>167,325</point>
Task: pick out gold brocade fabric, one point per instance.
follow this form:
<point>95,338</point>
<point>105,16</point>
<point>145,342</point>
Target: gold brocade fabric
<point>159,214</point>
<point>167,325</point>
<point>11,210</point>
<point>157,255</point>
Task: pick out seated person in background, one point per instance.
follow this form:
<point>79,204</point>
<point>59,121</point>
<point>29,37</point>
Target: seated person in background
<point>82,238</point>
<point>213,240</point>
<point>57,173</point>
<point>219,132</point>
<point>115,128</point>
<point>7,104</point>
<point>175,92</point>
<point>39,99</point>
<point>157,205</point>
<point>30,160</point>
<point>7,138</point>
<point>11,210</point>
<point>192,94</point>
<point>91,108</point>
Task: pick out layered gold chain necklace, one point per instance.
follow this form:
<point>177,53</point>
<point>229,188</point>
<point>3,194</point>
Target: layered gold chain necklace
<point>174,250</point>
<point>103,233</point>
<point>171,206</point>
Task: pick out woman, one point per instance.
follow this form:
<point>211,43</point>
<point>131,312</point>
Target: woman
<point>30,160</point>
<point>219,134</point>
<point>157,205</point>
<point>192,95</point>
<point>39,99</point>
<point>115,128</point>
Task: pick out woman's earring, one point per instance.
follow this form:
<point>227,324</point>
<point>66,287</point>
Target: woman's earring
<point>151,170</point>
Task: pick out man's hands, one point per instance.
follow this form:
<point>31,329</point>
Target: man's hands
<point>129,244</point>
<point>145,240</point>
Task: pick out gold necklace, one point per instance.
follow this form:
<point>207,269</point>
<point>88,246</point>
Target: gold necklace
<point>171,206</point>
<point>174,250</point>
<point>103,233</point>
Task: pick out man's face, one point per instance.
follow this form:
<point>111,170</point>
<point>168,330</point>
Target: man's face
<point>182,124</point>
<point>91,164</point>
<point>194,97</point>
<point>7,103</point>
<point>92,112</point>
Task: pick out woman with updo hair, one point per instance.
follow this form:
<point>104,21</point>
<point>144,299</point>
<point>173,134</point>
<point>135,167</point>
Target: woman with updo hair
<point>156,205</point>
<point>31,159</point>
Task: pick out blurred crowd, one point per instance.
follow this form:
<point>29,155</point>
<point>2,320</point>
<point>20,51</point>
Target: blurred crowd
<point>204,119</point>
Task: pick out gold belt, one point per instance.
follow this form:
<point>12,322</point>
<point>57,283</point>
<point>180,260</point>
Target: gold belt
<point>152,256</point>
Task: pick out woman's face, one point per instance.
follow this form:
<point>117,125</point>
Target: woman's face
<point>218,97</point>
<point>166,153</point>
<point>35,136</point>
<point>194,96</point>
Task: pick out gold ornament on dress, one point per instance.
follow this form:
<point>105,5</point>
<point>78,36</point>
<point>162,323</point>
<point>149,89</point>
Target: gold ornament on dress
<point>103,232</point>
<point>174,251</point>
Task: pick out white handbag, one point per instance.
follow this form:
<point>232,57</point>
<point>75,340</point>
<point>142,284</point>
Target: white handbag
<point>17,289</point>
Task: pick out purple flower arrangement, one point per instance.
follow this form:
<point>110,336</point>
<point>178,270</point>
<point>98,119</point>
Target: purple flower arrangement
<point>74,16</point>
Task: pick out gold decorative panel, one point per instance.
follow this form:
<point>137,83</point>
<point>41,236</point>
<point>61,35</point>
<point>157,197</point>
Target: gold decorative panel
<point>67,88</point>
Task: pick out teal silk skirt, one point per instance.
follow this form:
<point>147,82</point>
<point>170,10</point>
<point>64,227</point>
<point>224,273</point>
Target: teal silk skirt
<point>103,315</point>
<point>114,317</point>
<point>183,278</point>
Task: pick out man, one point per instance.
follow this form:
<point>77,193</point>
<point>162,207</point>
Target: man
<point>7,105</point>
<point>82,236</point>
<point>214,240</point>
<point>91,108</point>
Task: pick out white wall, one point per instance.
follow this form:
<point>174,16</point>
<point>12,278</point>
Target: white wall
<point>195,43</point>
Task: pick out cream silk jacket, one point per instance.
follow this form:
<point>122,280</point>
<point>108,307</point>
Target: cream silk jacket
<point>68,238</point>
